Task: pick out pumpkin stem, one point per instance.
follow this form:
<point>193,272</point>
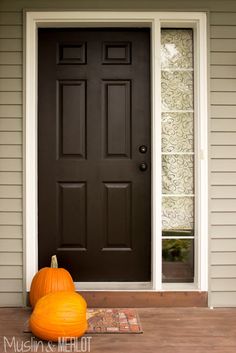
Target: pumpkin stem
<point>54,263</point>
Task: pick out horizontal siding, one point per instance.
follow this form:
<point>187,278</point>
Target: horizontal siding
<point>11,111</point>
<point>147,5</point>
<point>11,58</point>
<point>11,245</point>
<point>223,165</point>
<point>10,165</point>
<point>11,285</point>
<point>223,218</point>
<point>222,231</point>
<point>11,259</point>
<point>223,178</point>
<point>223,192</point>
<point>223,159</point>
<point>219,45</point>
<point>11,71</point>
<point>11,191</point>
<point>224,32</point>
<point>10,124</point>
<point>11,18</point>
<point>223,71</point>
<point>10,205</point>
<point>223,98</point>
<point>217,205</point>
<point>9,299</point>
<point>10,84</point>
<point>11,218</point>
<point>10,45</point>
<point>222,271</point>
<point>222,259</point>
<point>11,272</point>
<point>223,111</point>
<point>11,32</point>
<point>11,231</point>
<point>10,138</point>
<point>225,58</point>
<point>223,245</point>
<point>223,299</point>
<point>223,284</point>
<point>11,178</point>
<point>228,125</point>
<point>223,138</point>
<point>218,83</point>
<point>223,18</point>
<point>10,97</point>
<point>221,152</point>
<point>10,151</point>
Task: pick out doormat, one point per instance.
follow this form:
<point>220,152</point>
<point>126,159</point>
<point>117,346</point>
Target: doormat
<point>110,321</point>
<point>113,321</point>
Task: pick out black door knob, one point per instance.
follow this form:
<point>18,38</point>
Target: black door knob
<point>143,166</point>
<point>143,149</point>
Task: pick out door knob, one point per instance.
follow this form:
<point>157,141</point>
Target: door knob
<point>142,149</point>
<point>143,166</point>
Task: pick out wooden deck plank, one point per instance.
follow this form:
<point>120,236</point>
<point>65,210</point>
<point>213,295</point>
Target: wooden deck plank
<point>166,330</point>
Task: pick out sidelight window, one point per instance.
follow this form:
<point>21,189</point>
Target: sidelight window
<point>178,191</point>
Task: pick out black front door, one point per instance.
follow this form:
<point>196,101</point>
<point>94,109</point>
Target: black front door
<point>94,152</point>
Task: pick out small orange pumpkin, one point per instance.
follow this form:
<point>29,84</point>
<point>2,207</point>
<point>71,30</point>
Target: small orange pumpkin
<point>58,315</point>
<point>50,279</point>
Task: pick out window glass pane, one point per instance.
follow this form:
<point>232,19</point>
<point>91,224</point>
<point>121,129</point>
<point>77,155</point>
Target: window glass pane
<point>182,138</point>
<point>177,48</point>
<point>177,174</point>
<point>177,216</point>
<point>177,260</point>
<point>177,154</point>
<point>177,90</point>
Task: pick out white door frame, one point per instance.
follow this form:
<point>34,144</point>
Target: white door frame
<point>154,20</point>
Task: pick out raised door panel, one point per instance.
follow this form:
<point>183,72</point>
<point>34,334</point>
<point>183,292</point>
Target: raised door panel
<point>117,116</point>
<point>72,216</point>
<point>116,53</point>
<point>72,118</point>
<point>117,216</point>
<point>72,54</point>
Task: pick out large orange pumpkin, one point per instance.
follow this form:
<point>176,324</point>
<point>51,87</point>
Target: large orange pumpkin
<point>48,280</point>
<point>59,314</point>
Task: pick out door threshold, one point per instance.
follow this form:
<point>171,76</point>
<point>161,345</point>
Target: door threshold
<point>116,286</point>
<point>142,299</point>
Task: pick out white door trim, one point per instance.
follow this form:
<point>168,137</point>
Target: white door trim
<point>154,20</point>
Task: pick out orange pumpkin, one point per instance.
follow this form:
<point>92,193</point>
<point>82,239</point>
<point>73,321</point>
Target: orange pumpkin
<point>48,280</point>
<point>59,314</point>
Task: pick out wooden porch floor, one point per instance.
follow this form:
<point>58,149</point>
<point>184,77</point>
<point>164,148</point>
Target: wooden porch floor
<point>166,330</point>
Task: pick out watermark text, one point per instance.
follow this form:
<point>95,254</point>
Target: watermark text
<point>65,344</point>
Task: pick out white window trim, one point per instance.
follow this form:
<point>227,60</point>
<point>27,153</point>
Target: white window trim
<point>154,20</point>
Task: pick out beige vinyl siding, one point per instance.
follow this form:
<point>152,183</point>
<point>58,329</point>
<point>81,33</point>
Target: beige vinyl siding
<point>10,84</point>
<point>11,298</point>
<point>9,178</point>
<point>11,71</point>
<point>11,233</point>
<point>11,32</point>
<point>222,279</point>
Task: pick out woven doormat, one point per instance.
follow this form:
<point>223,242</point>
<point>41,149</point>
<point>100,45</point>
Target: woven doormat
<point>110,321</point>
